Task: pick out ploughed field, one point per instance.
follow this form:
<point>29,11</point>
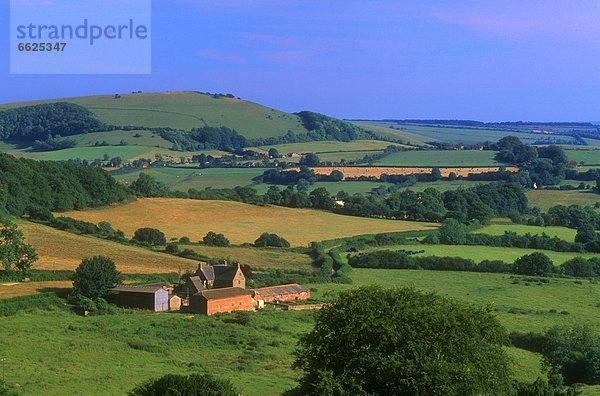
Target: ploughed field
<point>239,222</point>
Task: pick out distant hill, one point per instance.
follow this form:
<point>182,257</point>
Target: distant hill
<point>185,110</point>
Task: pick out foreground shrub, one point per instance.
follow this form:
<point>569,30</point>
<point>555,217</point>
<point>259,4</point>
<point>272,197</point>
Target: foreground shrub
<point>399,342</point>
<point>180,385</point>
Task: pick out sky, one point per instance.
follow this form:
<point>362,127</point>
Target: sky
<point>504,60</point>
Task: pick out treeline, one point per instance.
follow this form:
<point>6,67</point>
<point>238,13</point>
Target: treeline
<point>572,216</point>
<point>534,264</point>
<point>476,203</point>
<point>545,165</point>
<point>28,185</point>
<point>205,138</point>
<point>43,121</point>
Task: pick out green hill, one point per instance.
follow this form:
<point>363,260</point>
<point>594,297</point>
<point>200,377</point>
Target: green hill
<point>185,110</point>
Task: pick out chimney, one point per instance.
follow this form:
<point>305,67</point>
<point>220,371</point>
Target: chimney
<point>225,263</point>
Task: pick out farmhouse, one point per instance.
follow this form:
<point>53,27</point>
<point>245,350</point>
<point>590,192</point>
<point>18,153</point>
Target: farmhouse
<point>220,276</point>
<point>282,293</point>
<point>152,297</point>
<point>192,285</point>
<point>228,299</point>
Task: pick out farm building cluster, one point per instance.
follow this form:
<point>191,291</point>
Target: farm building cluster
<point>211,289</point>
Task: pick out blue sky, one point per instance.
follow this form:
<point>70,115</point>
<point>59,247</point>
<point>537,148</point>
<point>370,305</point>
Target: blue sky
<point>485,60</point>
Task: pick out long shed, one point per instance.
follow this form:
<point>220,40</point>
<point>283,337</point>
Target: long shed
<point>151,297</point>
<point>228,299</point>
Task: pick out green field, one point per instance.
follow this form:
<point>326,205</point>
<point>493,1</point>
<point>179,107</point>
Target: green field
<point>186,110</point>
<point>466,135</point>
<point>544,199</point>
<point>439,158</point>
<point>587,156</point>
<point>48,350</point>
<point>329,146</point>
<point>480,253</point>
<point>567,234</point>
<point>183,179</point>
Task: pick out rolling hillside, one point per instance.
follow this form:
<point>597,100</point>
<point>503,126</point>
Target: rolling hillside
<point>185,110</point>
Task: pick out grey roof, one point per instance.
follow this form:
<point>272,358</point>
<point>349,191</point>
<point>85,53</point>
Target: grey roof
<point>280,290</point>
<point>138,289</point>
<point>218,272</point>
<point>225,292</point>
<point>197,282</point>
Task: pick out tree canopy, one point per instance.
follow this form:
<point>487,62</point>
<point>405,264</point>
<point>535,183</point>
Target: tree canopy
<point>190,385</point>
<point>95,276</point>
<point>400,341</point>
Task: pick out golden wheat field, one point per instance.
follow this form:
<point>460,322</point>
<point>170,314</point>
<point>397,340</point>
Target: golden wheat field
<point>17,289</point>
<point>239,222</point>
<point>58,250</point>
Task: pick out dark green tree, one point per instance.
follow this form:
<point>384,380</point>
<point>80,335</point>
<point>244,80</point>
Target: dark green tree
<point>95,276</point>
<point>15,254</point>
<point>273,240</point>
<point>310,159</point>
<point>214,239</point>
<point>534,264</point>
<point>453,232</point>
<point>375,341</point>
<point>182,385</point>
<point>320,198</point>
<point>149,236</point>
<point>146,186</point>
<point>273,153</point>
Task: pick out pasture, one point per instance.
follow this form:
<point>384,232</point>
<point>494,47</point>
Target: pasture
<point>111,354</point>
<point>480,253</point>
<point>329,146</point>
<point>588,157</point>
<point>183,179</point>
<point>239,222</point>
<point>545,199</point>
<point>567,234</point>
<point>186,110</point>
<point>431,133</point>
<point>463,158</point>
<point>59,250</point>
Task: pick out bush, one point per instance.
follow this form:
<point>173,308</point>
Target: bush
<point>214,239</point>
<point>185,240</point>
<point>95,276</point>
<point>172,248</point>
<point>579,267</point>
<point>40,213</point>
<point>192,385</point>
<point>273,240</point>
<point>149,236</point>
<point>534,264</point>
<point>375,341</point>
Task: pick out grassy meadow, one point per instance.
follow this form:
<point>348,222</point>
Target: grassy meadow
<point>439,158</point>
<point>328,146</point>
<point>545,199</point>
<point>568,234</point>
<point>590,156</point>
<point>182,179</point>
<point>111,354</point>
<point>240,222</point>
<point>480,253</point>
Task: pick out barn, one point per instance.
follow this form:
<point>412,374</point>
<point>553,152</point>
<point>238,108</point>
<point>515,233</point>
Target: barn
<point>228,299</point>
<point>151,297</point>
<point>283,293</point>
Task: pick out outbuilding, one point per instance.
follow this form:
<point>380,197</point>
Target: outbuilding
<point>283,293</point>
<point>228,299</point>
<point>151,297</point>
